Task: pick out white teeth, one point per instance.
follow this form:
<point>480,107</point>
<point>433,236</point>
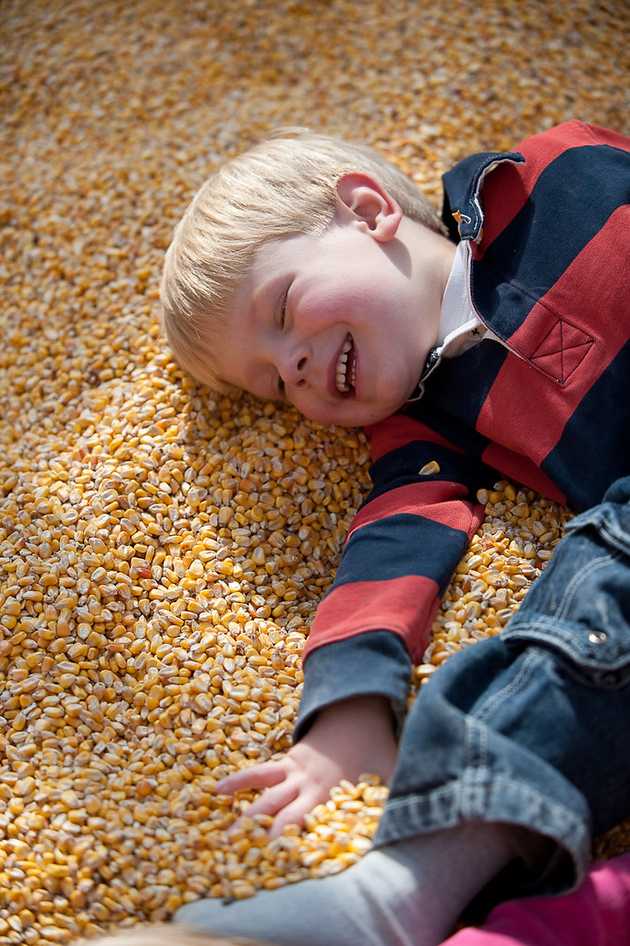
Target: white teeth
<point>342,367</point>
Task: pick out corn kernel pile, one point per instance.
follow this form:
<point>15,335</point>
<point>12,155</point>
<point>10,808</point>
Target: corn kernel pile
<point>163,550</point>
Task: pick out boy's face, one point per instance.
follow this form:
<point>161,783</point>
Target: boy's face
<point>340,324</point>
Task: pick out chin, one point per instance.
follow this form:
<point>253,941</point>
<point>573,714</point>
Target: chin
<point>358,415</point>
<point>369,416</point>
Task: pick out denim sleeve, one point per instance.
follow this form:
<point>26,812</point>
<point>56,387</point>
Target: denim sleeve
<point>580,605</point>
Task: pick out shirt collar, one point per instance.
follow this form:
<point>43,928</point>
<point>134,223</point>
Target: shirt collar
<point>459,327</point>
<point>455,310</point>
<point>463,216</point>
<point>462,211</point>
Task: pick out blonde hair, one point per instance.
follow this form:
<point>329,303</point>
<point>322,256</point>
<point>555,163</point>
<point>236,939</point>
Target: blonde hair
<point>166,934</point>
<point>284,185</point>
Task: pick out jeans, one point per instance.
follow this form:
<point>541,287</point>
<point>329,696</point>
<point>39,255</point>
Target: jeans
<point>533,727</point>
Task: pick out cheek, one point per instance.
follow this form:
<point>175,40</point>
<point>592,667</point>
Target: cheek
<point>348,300</point>
<point>311,407</point>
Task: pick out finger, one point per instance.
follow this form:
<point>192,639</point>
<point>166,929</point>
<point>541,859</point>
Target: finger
<point>296,812</point>
<point>258,776</point>
<point>292,814</point>
<point>273,800</point>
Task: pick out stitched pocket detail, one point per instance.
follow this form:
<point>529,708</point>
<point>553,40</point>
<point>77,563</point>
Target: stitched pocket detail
<point>583,614</point>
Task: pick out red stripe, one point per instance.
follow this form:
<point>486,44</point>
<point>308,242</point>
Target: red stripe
<point>399,430</point>
<point>406,606</point>
<point>508,187</point>
<point>597,304</point>
<point>519,468</point>
<point>605,136</point>
<point>440,501</point>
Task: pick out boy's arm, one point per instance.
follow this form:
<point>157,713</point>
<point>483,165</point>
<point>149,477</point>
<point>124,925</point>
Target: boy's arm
<point>401,550</point>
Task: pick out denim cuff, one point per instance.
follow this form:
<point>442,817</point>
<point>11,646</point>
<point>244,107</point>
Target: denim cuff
<point>501,799</point>
<point>374,662</point>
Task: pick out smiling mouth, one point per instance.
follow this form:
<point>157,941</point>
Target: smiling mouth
<point>346,368</point>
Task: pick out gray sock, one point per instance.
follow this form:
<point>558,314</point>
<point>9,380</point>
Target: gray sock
<point>405,894</point>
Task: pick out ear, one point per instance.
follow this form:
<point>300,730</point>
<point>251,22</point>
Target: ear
<point>362,200</point>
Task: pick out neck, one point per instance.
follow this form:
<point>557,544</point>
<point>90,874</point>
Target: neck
<point>432,255</point>
<point>448,255</point>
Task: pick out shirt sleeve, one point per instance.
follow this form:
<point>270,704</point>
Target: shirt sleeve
<point>399,555</point>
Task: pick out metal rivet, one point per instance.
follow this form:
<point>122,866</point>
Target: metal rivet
<point>597,637</point>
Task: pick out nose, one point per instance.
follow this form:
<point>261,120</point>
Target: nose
<point>294,366</point>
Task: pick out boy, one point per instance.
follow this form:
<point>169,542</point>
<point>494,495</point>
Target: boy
<point>505,348</point>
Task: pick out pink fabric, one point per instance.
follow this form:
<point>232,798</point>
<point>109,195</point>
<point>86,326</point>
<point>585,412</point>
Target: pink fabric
<point>597,914</point>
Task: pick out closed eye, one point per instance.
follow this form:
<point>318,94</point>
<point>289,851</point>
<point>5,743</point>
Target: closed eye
<point>283,308</point>
<point>282,323</point>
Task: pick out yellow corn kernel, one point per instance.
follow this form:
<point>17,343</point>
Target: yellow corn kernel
<point>163,547</point>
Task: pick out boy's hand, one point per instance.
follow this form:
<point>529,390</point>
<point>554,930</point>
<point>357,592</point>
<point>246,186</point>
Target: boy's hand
<point>347,739</point>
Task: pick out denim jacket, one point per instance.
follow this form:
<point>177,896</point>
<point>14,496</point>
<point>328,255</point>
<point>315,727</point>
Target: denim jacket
<point>544,400</point>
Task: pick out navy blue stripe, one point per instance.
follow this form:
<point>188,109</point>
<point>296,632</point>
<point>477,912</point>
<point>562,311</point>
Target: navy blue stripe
<point>373,662</point>
<point>456,392</point>
<point>402,466</point>
<point>399,546</point>
<point>599,428</point>
<point>571,201</point>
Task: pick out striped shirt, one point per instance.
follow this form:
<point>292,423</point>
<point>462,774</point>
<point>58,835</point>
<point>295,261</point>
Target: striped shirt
<point>542,398</point>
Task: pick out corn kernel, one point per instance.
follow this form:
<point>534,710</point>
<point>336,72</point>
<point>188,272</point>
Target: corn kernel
<point>162,547</point>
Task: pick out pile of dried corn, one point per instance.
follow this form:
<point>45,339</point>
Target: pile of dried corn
<point>161,551</point>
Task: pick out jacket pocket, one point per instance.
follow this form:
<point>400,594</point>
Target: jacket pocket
<point>612,521</point>
<point>580,606</point>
